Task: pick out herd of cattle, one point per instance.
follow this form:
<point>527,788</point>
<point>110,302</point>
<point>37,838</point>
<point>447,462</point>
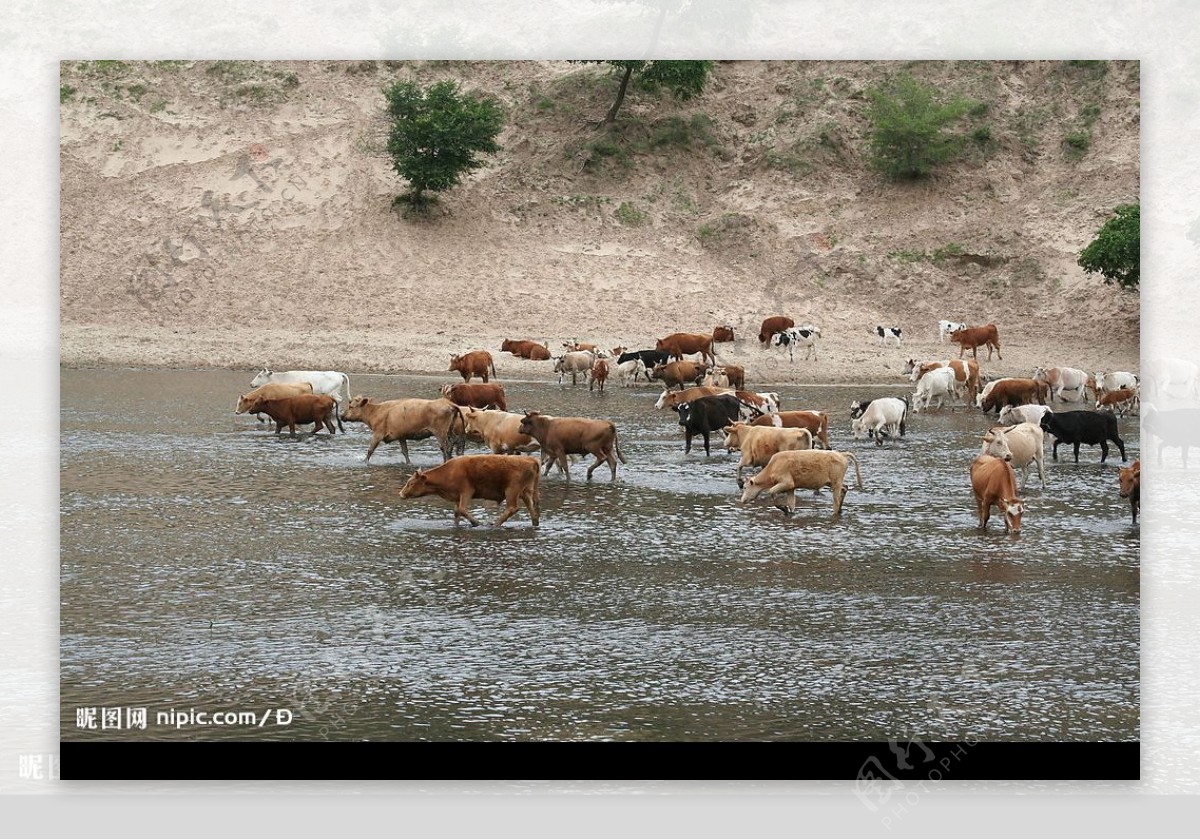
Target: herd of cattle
<point>791,447</point>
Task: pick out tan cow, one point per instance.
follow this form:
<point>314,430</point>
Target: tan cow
<point>318,409</point>
<point>994,484</point>
<point>500,431</point>
<point>972,338</point>
<point>272,391</point>
<point>758,443</point>
<point>475,363</point>
<point>817,423</point>
<point>804,469</point>
<point>1024,444</point>
<point>574,362</point>
<point>678,345</point>
<point>563,436</point>
<point>726,376</point>
<point>498,478</point>
<point>408,419</point>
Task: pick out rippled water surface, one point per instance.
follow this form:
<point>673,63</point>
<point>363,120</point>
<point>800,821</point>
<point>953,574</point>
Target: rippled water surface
<point>208,564</point>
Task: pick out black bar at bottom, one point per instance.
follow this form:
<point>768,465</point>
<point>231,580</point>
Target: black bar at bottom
<point>877,766</point>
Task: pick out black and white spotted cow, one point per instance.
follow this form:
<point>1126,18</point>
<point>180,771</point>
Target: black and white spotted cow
<point>888,335</point>
<point>794,337</point>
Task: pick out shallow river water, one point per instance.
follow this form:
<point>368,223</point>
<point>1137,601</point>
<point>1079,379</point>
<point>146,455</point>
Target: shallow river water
<point>209,565</point>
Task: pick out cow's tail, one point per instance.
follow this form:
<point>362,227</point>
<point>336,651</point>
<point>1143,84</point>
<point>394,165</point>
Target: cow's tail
<point>617,446</point>
<point>857,471</point>
<point>456,444</point>
<point>344,388</point>
<point>492,362</point>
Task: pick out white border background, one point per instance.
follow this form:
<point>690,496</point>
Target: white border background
<point>1165,36</point>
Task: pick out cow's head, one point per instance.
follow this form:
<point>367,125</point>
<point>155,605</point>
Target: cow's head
<point>249,406</point>
<point>684,410</point>
<point>416,486</point>
<point>1013,509</point>
<point>455,363</point>
<point>733,436</point>
<point>531,420</point>
<point>995,443</point>
<point>354,409</point>
<point>264,376</point>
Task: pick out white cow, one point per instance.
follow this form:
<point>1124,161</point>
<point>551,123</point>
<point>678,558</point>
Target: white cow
<point>1011,415</point>
<point>332,382</point>
<point>883,417</point>
<point>940,383</point>
<point>628,372</point>
<point>1063,381</point>
<point>794,337</point>
<point>1023,445</point>
<point>947,327</point>
<point>574,363</point>
<point>1102,382</point>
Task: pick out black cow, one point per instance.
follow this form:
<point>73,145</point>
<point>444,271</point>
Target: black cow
<point>858,408</point>
<point>706,415</point>
<point>649,358</point>
<point>1176,427</point>
<point>1090,427</point>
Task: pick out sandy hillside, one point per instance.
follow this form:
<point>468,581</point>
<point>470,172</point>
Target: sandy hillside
<point>238,214</point>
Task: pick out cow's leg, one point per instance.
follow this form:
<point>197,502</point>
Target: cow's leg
<point>292,427</point>
<point>1054,451</point>
<point>511,495</point>
<point>839,493</point>
<point>687,441</point>
<point>464,498</point>
<point>612,461</point>
<point>531,504</point>
<point>706,452</point>
<point>1103,446</point>
<point>1041,465</point>
<point>278,426</point>
<point>1120,445</point>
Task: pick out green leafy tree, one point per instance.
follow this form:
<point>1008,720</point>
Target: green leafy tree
<point>1116,252</point>
<point>908,137</point>
<point>438,134</point>
<point>684,79</point>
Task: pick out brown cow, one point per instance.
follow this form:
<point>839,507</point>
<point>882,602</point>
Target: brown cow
<point>972,338</point>
<point>272,391</point>
<point>1130,479</point>
<point>817,423</point>
<point>677,345</point>
<point>526,349</point>
<point>772,325</point>
<point>576,346</point>
<point>670,399</point>
<point>722,333</point>
<point>408,419</point>
<point>317,409</point>
<point>475,363</point>
<point>674,374</point>
<point>994,483</point>
<point>479,396</point>
<point>563,436</point>
<point>1012,391</point>
<point>498,478</point>
<point>804,469</point>
<point>1122,400</point>
<point>599,374</point>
